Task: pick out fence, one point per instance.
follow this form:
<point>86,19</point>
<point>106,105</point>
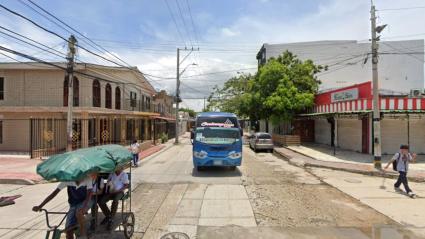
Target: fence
<point>42,137</point>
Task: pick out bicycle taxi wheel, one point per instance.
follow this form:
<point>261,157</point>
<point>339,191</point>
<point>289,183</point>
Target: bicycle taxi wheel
<point>128,225</point>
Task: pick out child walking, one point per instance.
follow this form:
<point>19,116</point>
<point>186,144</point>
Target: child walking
<point>401,162</point>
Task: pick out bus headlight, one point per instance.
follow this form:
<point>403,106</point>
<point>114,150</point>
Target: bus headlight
<point>202,154</point>
<point>235,155</point>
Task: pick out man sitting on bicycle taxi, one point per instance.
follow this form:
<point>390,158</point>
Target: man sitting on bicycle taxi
<point>79,199</point>
<point>117,183</point>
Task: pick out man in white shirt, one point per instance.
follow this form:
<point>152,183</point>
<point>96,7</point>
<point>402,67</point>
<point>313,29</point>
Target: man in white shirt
<point>79,199</point>
<point>117,183</point>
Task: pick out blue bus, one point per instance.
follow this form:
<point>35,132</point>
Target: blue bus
<point>217,140</point>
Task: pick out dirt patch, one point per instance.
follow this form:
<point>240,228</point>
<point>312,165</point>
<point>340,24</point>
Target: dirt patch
<point>279,199</point>
<point>147,198</point>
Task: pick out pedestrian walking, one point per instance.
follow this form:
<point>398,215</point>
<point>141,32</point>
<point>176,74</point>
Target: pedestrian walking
<point>135,150</point>
<point>400,162</point>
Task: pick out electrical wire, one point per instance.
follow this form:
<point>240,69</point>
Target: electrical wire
<point>61,37</point>
<point>175,23</point>
<point>33,45</point>
<point>79,33</point>
<point>193,24</point>
<point>400,9</point>
<point>184,22</point>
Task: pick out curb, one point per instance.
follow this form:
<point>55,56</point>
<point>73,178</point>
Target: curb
<point>17,181</point>
<point>304,164</point>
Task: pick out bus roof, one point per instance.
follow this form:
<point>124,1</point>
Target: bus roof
<point>216,114</point>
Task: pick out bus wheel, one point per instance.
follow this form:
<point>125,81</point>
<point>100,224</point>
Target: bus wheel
<point>233,168</point>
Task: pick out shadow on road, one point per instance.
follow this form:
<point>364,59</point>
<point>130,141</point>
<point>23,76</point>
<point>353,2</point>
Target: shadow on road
<point>216,172</point>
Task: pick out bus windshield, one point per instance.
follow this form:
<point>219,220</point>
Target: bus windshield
<point>217,135</point>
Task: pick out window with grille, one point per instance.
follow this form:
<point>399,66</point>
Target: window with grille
<point>96,93</point>
<point>117,98</point>
<point>133,97</point>
<point>108,96</point>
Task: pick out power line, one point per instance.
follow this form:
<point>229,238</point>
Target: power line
<point>193,24</point>
<point>175,22</point>
<point>16,38</point>
<point>402,8</point>
<point>208,73</point>
<point>35,59</point>
<point>184,23</point>
<point>34,23</point>
<point>398,50</point>
<point>50,48</point>
<point>61,37</point>
<point>79,33</point>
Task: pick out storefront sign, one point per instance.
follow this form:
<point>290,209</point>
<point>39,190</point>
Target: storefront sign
<point>351,94</point>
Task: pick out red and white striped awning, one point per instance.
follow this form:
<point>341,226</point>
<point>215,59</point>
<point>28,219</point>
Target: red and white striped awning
<point>386,103</point>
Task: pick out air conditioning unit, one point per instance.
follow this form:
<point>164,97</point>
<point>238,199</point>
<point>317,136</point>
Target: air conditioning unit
<point>416,92</point>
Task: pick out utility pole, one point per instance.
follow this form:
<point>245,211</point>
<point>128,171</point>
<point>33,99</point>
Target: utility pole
<point>178,99</point>
<point>177,96</point>
<point>376,107</point>
<point>70,74</point>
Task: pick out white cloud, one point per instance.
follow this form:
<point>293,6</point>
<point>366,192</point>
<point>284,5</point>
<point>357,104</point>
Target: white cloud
<point>234,45</point>
<point>227,32</point>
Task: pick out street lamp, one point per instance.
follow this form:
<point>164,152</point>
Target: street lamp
<point>193,64</point>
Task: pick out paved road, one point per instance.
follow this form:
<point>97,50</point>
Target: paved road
<point>264,198</point>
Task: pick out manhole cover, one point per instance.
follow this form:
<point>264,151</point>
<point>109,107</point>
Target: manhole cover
<point>350,180</point>
<point>175,235</point>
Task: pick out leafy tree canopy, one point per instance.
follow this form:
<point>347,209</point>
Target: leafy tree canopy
<point>191,112</point>
<point>282,87</point>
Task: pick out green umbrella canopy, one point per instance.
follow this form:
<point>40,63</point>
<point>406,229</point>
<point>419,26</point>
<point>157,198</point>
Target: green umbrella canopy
<point>75,165</point>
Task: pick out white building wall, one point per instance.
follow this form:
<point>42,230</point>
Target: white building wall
<point>322,131</point>
<point>394,134</point>
<point>350,134</point>
<point>417,135</point>
<point>397,72</point>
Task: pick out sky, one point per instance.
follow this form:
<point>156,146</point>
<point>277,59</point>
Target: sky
<point>228,33</point>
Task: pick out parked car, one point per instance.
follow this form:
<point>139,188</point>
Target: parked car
<point>261,141</point>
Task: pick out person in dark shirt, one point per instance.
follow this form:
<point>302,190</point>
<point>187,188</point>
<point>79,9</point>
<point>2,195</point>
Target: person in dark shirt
<point>79,200</point>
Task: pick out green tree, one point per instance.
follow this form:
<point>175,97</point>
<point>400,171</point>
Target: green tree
<point>285,86</point>
<point>231,97</point>
<point>191,112</point>
<point>282,88</point>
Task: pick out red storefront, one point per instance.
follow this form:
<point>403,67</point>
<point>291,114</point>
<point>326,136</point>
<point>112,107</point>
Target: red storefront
<point>345,115</point>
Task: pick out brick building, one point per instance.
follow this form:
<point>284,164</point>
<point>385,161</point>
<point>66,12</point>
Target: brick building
<point>111,105</point>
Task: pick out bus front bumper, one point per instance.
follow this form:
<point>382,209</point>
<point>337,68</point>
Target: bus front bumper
<point>216,162</point>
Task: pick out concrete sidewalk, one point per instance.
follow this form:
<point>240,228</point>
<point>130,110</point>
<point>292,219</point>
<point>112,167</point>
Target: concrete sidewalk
<point>18,170</point>
<point>22,171</point>
<point>310,157</point>
<point>379,194</point>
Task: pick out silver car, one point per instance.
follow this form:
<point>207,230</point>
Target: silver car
<point>261,141</point>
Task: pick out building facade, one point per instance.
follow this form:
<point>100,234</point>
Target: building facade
<point>344,117</point>
<point>401,67</point>
<point>110,105</point>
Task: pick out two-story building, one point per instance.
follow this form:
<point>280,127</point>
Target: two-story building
<point>110,105</point>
